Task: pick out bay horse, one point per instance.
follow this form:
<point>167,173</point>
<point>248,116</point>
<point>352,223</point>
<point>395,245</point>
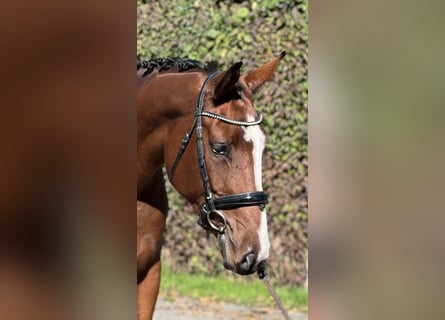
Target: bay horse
<point>201,124</point>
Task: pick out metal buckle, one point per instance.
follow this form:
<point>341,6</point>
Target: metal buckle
<point>212,225</point>
<point>206,212</point>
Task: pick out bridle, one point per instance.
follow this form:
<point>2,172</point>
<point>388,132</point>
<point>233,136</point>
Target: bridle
<point>212,205</point>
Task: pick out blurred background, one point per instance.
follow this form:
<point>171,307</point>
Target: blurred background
<point>252,32</point>
<point>376,160</point>
<point>68,149</point>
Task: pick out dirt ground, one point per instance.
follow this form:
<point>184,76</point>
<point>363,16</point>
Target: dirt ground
<point>188,309</point>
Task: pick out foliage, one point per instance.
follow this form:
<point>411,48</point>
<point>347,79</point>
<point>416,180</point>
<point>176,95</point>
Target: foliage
<point>252,32</point>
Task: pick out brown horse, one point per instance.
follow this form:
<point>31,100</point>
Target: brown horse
<point>202,125</point>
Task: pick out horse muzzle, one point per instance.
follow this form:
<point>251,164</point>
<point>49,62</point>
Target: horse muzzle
<point>248,263</point>
<point>213,219</point>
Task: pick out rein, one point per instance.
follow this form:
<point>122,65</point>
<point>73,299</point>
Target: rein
<point>263,276</point>
<point>212,205</point>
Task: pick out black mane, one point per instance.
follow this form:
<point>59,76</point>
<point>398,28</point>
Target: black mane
<point>165,64</point>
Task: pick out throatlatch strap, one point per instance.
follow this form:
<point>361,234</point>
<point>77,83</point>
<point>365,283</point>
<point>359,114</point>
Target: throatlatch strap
<point>184,143</point>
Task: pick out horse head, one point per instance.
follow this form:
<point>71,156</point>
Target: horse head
<point>227,142</point>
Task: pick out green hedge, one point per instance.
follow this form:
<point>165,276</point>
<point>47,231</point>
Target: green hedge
<point>252,32</point>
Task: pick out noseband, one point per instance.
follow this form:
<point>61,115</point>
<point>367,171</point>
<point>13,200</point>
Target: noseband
<point>212,204</point>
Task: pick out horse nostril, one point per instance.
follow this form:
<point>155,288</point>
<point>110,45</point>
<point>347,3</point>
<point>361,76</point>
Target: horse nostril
<point>247,262</point>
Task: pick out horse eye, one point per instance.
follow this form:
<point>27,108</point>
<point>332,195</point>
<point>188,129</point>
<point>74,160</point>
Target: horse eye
<point>220,149</point>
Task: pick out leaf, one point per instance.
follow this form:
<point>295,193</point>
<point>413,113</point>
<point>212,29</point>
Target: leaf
<point>212,33</point>
<point>242,12</point>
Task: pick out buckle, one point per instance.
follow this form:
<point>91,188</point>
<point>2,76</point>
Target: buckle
<point>206,222</point>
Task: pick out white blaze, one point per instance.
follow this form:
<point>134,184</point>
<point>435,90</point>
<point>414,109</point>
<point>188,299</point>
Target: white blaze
<point>256,136</point>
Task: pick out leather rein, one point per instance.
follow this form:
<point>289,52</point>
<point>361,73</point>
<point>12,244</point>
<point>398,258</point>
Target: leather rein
<point>212,205</point>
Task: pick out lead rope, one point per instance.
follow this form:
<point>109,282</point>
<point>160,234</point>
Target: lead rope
<point>263,276</point>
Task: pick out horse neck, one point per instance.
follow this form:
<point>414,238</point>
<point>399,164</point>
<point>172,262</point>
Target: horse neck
<point>165,106</point>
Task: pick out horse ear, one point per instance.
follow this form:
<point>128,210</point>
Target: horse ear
<point>256,78</point>
<point>227,84</point>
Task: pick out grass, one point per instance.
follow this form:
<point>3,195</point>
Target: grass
<point>230,289</point>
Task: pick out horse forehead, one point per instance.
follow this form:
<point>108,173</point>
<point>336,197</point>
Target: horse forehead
<point>254,134</point>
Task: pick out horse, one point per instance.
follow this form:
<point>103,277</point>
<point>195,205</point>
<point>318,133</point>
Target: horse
<point>201,124</point>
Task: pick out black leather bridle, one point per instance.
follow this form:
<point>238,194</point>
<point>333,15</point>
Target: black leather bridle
<point>212,205</point>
